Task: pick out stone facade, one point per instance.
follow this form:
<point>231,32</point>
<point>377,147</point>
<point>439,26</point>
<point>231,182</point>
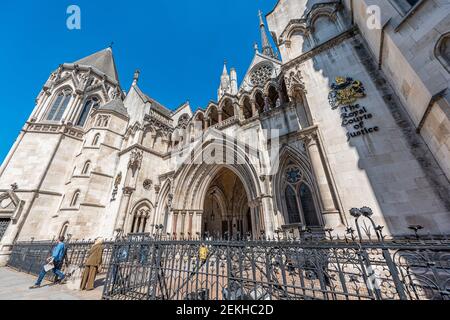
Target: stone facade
<point>93,161</point>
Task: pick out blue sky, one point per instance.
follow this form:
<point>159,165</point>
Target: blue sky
<point>179,46</point>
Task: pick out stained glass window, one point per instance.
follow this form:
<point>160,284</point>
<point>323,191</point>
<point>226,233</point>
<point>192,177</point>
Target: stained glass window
<point>293,175</point>
<point>88,105</point>
<point>292,205</point>
<point>59,105</point>
<point>309,209</point>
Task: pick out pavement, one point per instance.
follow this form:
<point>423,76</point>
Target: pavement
<point>15,286</point>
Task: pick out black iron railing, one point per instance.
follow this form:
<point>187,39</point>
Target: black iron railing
<point>156,270</point>
<point>361,265</point>
<point>29,257</point>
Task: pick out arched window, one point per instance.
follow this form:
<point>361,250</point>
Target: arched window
<point>259,98</point>
<point>86,168</point>
<point>75,199</point>
<point>213,115</point>
<point>227,110</point>
<point>247,108</point>
<point>140,219</point>
<point>90,103</point>
<point>309,209</point>
<point>443,51</point>
<point>292,206</point>
<point>59,105</point>
<point>324,29</point>
<point>64,229</point>
<point>96,139</point>
<point>300,204</point>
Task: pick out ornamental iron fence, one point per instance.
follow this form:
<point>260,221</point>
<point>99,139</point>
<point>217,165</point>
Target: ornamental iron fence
<point>29,257</point>
<point>363,265</point>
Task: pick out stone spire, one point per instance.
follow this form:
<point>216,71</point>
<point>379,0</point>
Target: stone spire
<point>103,61</point>
<point>225,82</point>
<point>266,47</point>
<point>136,77</point>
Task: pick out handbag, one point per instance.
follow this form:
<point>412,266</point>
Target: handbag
<point>49,266</point>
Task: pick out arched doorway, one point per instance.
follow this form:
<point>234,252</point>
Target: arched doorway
<point>226,212</point>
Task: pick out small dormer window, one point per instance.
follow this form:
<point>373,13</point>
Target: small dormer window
<point>96,140</point>
<point>86,168</point>
<point>59,106</point>
<point>75,199</point>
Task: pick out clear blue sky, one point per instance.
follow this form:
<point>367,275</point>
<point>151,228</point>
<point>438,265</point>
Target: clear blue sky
<point>179,46</point>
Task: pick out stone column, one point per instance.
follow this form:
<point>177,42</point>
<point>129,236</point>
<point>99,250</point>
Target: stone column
<point>123,208</point>
<point>326,195</point>
<point>190,228</point>
<point>197,224</point>
<point>254,109</point>
<point>220,116</point>
<point>175,224</point>
<point>71,117</point>
<point>183,225</point>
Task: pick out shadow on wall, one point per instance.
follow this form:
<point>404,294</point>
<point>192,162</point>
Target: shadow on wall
<point>408,186</point>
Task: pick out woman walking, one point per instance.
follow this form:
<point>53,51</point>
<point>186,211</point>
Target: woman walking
<point>93,263</point>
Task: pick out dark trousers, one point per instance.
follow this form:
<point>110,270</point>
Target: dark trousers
<point>56,271</point>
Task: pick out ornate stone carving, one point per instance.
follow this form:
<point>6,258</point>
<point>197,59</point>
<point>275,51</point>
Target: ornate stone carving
<point>159,125</point>
<point>294,81</point>
<point>293,175</point>
<point>170,201</point>
<point>135,160</point>
<point>147,184</point>
<point>117,183</point>
<point>261,75</point>
<point>183,121</point>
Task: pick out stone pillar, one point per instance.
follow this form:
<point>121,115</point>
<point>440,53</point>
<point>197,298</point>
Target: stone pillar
<point>175,224</point>
<point>183,225</point>
<point>190,228</point>
<point>197,224</point>
<point>76,105</point>
<point>123,208</point>
<point>255,112</point>
<point>267,216</point>
<point>220,116</point>
<point>323,184</point>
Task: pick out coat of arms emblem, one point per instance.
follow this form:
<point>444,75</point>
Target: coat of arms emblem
<point>345,92</point>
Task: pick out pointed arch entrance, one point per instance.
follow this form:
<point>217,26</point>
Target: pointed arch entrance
<point>226,210</point>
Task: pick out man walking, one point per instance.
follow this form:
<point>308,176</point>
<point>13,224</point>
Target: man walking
<point>55,261</point>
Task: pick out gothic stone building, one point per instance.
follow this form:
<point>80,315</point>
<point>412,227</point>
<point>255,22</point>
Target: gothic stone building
<point>362,115</point>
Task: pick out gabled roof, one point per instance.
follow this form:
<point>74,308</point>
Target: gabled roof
<point>102,61</point>
<point>155,104</point>
<point>115,106</point>
<point>258,58</point>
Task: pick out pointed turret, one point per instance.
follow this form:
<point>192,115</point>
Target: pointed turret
<point>103,61</point>
<point>266,47</point>
<point>225,82</point>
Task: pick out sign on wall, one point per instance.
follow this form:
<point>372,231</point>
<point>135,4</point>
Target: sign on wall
<point>344,93</point>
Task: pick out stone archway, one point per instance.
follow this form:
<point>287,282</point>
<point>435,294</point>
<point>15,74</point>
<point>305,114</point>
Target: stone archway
<point>226,211</point>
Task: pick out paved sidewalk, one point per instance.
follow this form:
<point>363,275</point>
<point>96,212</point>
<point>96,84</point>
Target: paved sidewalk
<point>15,286</point>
